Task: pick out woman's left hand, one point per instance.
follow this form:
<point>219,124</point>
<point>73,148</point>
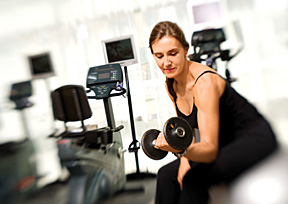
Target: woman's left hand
<point>184,167</point>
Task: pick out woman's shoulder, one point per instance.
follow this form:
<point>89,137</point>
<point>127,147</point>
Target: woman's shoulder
<point>199,70</point>
<point>207,79</point>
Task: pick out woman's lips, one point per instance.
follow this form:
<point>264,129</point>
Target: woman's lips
<point>169,70</point>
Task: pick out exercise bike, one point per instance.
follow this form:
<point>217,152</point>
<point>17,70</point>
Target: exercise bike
<point>207,48</point>
<point>94,157</point>
<point>18,171</point>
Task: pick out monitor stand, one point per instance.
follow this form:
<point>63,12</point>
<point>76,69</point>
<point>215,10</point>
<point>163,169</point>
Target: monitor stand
<point>135,145</point>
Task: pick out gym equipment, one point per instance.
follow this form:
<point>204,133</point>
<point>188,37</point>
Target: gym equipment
<point>94,157</point>
<point>20,93</point>
<point>178,134</point>
<point>135,145</point>
<point>122,50</point>
<point>207,48</point>
<point>18,172</point>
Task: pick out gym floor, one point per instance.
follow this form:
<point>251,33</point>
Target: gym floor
<point>266,182</point>
<point>140,191</point>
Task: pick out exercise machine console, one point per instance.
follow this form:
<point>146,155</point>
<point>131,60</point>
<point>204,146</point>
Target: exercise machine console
<point>207,47</point>
<point>104,79</point>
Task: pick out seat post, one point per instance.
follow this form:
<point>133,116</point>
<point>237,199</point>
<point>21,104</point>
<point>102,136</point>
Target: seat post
<point>83,125</point>
<point>66,128</point>
<point>109,113</point>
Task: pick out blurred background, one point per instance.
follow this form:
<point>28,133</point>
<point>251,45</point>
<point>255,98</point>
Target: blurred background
<point>72,31</point>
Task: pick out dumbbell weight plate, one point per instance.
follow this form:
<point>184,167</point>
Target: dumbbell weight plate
<point>148,147</point>
<point>178,133</point>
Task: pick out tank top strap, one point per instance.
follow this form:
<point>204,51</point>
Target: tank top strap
<point>207,71</point>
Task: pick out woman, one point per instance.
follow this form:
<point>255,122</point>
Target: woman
<point>233,134</point>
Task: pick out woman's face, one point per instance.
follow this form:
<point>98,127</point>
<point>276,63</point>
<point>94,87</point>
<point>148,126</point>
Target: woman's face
<point>169,55</point>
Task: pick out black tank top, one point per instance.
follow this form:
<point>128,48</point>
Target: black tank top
<point>236,114</point>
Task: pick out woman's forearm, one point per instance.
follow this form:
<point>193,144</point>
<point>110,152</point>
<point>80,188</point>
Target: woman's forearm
<point>201,152</point>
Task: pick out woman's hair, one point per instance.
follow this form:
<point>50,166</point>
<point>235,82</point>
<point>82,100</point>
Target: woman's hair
<point>167,28</point>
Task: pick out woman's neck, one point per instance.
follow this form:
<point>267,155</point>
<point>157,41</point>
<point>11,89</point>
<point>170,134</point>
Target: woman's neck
<point>185,79</point>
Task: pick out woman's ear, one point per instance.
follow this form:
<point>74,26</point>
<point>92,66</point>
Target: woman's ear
<point>186,51</point>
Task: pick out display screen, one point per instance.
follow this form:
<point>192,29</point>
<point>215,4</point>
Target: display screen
<point>41,65</point>
<point>119,50</point>
<point>105,75</point>
<point>206,12</point>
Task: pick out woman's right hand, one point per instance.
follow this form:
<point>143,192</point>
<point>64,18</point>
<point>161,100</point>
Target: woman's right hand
<point>161,143</point>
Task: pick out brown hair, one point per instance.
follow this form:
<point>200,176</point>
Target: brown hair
<point>167,28</point>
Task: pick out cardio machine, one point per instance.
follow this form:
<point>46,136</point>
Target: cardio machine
<point>18,171</point>
<point>206,44</point>
<point>94,157</point>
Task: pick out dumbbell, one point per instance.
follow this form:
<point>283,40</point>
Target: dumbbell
<point>178,134</point>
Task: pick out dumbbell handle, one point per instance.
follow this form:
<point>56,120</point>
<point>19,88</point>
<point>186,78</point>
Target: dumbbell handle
<point>154,143</point>
<point>180,132</point>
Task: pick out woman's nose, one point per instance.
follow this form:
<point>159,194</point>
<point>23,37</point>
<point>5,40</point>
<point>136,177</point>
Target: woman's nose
<point>167,61</point>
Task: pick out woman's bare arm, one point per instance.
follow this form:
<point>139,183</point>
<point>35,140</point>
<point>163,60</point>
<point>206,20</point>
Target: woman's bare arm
<point>207,92</point>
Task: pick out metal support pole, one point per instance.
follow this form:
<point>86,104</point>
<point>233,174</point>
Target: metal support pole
<point>133,146</point>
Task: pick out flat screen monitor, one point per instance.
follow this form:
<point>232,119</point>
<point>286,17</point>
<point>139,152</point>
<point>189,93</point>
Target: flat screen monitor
<point>120,50</point>
<point>206,14</point>
<point>41,65</point>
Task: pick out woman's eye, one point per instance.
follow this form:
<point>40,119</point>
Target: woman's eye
<point>159,56</point>
<point>173,53</point>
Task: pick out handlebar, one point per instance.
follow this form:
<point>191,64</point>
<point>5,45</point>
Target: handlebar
<point>120,127</point>
<point>123,91</point>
